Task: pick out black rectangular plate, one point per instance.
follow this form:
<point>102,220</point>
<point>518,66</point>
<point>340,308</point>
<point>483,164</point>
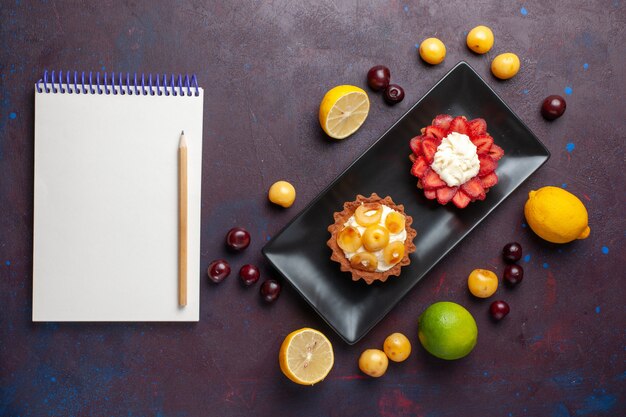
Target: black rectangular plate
<point>299,251</point>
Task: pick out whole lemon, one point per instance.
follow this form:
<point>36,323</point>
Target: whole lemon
<point>556,215</point>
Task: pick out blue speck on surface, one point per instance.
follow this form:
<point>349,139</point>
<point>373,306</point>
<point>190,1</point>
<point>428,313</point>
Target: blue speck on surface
<point>417,45</point>
<point>585,66</point>
<point>597,309</point>
<point>247,67</point>
<point>12,115</point>
<point>268,238</point>
<point>527,258</point>
<point>104,68</point>
<point>524,224</point>
<point>485,373</point>
<point>570,147</point>
<point>406,9</point>
<point>605,250</point>
<point>510,414</point>
<point>561,411</point>
<point>525,91</point>
<point>564,185</point>
<point>568,90</point>
<point>545,265</point>
<point>523,11</point>
<point>598,402</point>
<point>7,263</point>
<point>53,379</point>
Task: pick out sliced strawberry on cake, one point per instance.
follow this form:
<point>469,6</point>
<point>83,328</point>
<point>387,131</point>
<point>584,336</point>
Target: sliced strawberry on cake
<point>455,160</point>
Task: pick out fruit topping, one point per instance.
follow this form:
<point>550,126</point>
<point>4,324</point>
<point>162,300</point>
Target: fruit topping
<point>393,94</point>
<point>218,270</point>
<point>512,252</point>
<point>460,199</point>
<point>459,125</point>
<point>489,180</point>
<point>553,107</point>
<point>375,238</point>
<point>394,222</point>
<point>474,189</point>
<point>496,152</point>
<point>442,121</point>
<point>483,143</point>
<point>499,309</point>
<point>237,238</point>
<point>364,261</point>
<point>477,127</point>
<point>445,194</point>
<point>429,148</point>
<point>368,214</point>
<point>378,77</point>
<point>431,180</point>
<point>487,165</point>
<point>393,253</point>
<point>349,239</point>
<point>419,167</point>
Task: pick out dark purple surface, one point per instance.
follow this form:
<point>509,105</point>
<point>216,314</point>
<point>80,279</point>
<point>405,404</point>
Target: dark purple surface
<point>265,67</point>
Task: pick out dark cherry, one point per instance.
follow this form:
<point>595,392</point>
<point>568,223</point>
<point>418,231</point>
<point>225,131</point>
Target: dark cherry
<point>378,77</point>
<point>512,252</point>
<point>237,238</point>
<point>553,107</point>
<point>499,309</point>
<point>513,274</point>
<point>393,94</point>
<point>270,290</point>
<point>249,274</point>
<point>218,270</point>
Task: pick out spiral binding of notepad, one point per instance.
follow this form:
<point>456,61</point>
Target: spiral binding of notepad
<point>159,85</point>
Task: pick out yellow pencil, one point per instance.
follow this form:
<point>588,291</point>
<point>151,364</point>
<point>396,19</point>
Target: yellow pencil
<point>182,221</point>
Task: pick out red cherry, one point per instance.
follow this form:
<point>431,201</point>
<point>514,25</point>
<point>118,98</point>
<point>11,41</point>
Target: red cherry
<point>270,290</point>
<point>237,238</point>
<point>249,274</point>
<point>378,77</point>
<point>499,309</point>
<point>218,270</point>
<point>513,274</point>
<point>393,94</point>
<point>512,252</point>
<point>553,107</point>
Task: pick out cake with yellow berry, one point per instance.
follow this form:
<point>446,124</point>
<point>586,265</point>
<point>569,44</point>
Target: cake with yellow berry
<point>455,160</point>
<point>371,238</point>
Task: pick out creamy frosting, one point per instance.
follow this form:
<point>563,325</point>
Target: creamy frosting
<point>456,159</point>
<point>393,237</point>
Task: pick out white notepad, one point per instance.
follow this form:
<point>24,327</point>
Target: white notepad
<point>106,198</point>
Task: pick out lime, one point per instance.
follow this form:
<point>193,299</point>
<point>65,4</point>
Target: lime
<point>447,330</point>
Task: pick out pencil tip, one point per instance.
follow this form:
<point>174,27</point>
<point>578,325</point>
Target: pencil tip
<point>182,133</point>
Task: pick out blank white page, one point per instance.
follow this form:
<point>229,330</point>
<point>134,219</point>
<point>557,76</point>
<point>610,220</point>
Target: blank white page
<point>106,206</point>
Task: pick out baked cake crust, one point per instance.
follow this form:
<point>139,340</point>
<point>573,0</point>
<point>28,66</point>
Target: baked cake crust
<point>342,217</point>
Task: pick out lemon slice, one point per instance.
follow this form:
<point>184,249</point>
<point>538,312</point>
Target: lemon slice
<point>306,356</point>
<point>343,110</point>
